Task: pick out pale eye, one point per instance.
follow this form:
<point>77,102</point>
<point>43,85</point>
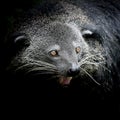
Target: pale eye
<point>53,53</point>
<point>77,49</point>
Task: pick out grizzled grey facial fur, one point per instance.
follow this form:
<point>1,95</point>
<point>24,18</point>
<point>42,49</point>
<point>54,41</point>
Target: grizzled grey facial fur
<point>61,49</point>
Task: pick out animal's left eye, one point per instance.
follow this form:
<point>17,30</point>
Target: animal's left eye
<point>53,53</point>
<point>77,49</point>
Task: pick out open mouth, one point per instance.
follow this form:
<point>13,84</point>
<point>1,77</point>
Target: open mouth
<point>65,80</point>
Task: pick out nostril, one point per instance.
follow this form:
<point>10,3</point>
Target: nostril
<point>73,72</point>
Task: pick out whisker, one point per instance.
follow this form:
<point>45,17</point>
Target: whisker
<point>100,63</point>
<point>105,68</point>
<point>41,69</point>
<point>89,57</point>
<point>100,57</point>
<point>22,67</point>
<point>90,76</point>
<point>42,63</point>
<point>39,73</point>
<point>33,63</point>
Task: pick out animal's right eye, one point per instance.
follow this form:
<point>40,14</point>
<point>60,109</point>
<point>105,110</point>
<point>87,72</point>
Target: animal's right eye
<point>53,53</point>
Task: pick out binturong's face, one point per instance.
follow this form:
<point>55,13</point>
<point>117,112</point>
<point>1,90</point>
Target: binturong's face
<point>62,50</point>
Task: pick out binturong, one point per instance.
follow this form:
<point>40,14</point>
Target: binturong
<point>65,41</point>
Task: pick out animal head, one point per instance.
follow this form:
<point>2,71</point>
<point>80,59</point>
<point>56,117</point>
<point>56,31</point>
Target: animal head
<point>66,46</point>
<point>60,49</point>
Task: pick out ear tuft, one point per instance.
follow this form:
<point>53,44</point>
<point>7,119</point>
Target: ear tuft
<point>87,33</point>
<point>20,41</point>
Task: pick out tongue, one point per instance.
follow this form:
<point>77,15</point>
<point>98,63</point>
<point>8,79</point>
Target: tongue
<point>65,80</point>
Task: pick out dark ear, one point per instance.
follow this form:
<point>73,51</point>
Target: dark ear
<point>18,42</point>
<point>13,45</point>
<point>21,40</point>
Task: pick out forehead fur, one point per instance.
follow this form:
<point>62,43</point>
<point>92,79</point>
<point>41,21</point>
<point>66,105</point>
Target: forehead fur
<point>57,33</point>
<point>65,15</point>
<point>63,32</point>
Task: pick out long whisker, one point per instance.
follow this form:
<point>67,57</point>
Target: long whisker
<point>100,63</point>
<point>92,56</point>
<point>33,63</point>
<point>38,62</point>
<point>22,67</point>
<point>105,68</point>
<point>31,60</point>
<point>90,76</point>
<point>41,69</point>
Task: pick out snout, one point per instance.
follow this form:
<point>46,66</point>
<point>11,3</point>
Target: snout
<point>73,72</point>
<point>70,74</point>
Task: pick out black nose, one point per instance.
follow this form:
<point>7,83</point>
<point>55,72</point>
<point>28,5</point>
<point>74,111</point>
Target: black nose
<point>73,72</point>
